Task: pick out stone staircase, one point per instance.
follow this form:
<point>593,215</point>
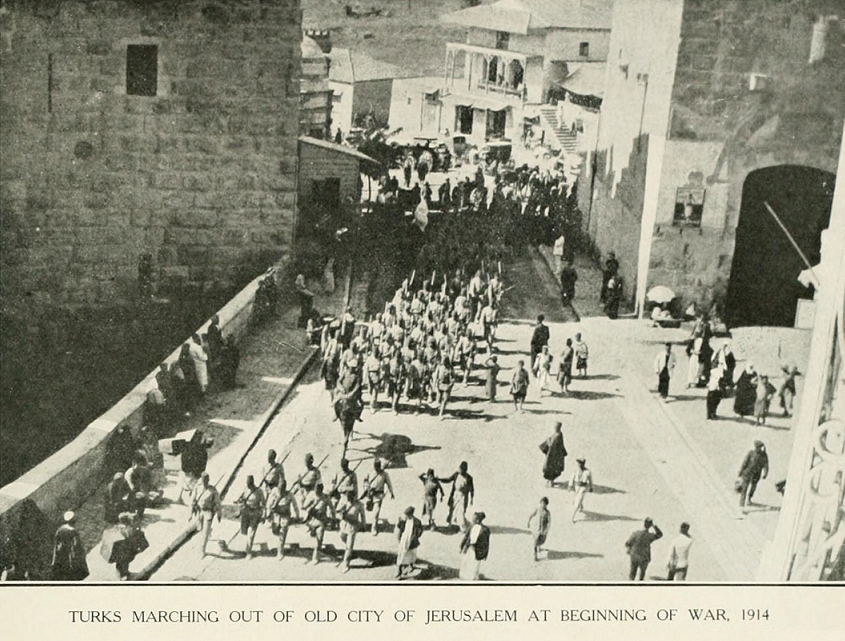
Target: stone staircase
<point>558,137</point>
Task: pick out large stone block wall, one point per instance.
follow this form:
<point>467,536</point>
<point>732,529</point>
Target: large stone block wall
<point>201,176</point>
<point>721,130</point>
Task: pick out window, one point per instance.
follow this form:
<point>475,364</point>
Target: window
<point>502,39</point>
<point>464,118</point>
<point>584,49</point>
<point>141,70</point>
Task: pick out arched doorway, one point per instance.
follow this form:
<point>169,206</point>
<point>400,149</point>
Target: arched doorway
<point>763,288</point>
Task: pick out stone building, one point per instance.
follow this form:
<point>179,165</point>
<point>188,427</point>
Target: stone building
<point>516,56</point>
<point>157,136</point>
<point>315,110</point>
<point>727,109</point>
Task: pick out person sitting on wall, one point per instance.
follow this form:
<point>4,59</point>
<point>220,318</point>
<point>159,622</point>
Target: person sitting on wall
<point>117,498</point>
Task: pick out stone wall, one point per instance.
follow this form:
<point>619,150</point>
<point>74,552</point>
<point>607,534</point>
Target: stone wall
<point>68,477</point>
<point>201,175</point>
<point>721,130</point>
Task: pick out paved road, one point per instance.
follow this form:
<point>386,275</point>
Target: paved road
<point>643,461</point>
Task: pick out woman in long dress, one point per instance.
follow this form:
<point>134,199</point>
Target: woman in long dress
<point>745,392</point>
<point>555,453</point>
<point>493,368</point>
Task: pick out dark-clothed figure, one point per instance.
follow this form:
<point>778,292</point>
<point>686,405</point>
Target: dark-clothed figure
<point>568,277</point>
<point>539,338</point>
<point>69,562</point>
<point>444,195</point>
<point>611,268</point>
<point>613,297</point>
<point>194,459</point>
<point>555,452</point>
<point>122,543</point>
<point>230,359</point>
<point>754,466</point>
<point>639,549</point>
<point>745,392</point>
<point>664,364</point>
<point>117,498</point>
<point>461,496</point>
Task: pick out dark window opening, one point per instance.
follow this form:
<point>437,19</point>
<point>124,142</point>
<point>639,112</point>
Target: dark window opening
<point>493,70</point>
<point>326,194</point>
<point>141,70</point>
<point>502,39</point>
<point>584,49</point>
<point>464,115</point>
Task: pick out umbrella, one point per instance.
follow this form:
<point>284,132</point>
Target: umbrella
<point>660,294</point>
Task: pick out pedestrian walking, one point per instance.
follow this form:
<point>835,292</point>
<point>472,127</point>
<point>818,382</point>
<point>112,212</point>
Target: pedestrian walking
<point>205,506</point>
<point>252,507</point>
<point>519,385</point>
<point>543,367</point>
<point>678,563</point>
<point>754,466</point>
<point>69,562</point>
<point>461,495</point>
<point>352,520</point>
<point>763,397</point>
<point>374,492</point>
<point>639,549</point>
<point>664,364</point>
<point>493,369</point>
<point>564,374</point>
<point>409,529</point>
<point>431,488</point>
<point>714,393</point>
<point>614,297</point>
<point>582,354</point>
<point>475,547</point>
<point>611,268</point>
<point>539,338</point>
<point>556,453</point>
<point>786,392</point>
<point>444,378</point>
<point>122,543</point>
<point>539,523</point>
<point>745,391</point>
<point>317,509</point>
<point>580,483</point>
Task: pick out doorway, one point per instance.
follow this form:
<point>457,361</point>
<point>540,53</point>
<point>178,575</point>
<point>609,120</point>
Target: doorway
<point>496,122</point>
<point>763,287</point>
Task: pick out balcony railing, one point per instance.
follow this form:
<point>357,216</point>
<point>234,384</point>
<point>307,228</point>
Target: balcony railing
<point>511,68</point>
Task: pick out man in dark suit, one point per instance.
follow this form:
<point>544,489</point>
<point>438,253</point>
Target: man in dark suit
<point>639,548</point>
<point>538,339</point>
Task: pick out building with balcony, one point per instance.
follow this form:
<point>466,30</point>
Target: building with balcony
<point>516,56</point>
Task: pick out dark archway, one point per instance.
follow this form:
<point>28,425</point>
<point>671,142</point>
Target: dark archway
<point>763,289</point>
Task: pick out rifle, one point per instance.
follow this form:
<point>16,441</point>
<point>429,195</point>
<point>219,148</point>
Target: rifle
<point>282,462</point>
<point>334,493</point>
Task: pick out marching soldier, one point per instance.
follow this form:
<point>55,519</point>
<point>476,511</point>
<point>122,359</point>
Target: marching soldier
<point>252,504</point>
<point>273,473</point>
<point>204,507</point>
<point>281,511</point>
<point>344,481</point>
<point>317,510</point>
<point>309,480</point>
<point>374,491</point>
<point>352,520</point>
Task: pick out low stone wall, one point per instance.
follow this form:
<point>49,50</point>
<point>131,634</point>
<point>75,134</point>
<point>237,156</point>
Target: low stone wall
<point>69,476</point>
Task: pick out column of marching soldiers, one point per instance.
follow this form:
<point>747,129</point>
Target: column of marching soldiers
<point>419,347</point>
